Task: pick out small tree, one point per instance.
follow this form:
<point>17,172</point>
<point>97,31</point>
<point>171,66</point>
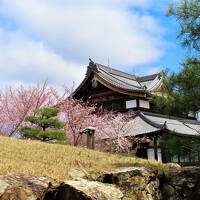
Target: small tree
<point>43,119</point>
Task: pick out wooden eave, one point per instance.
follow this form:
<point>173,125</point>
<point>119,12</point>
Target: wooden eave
<point>132,93</point>
<point>88,74</point>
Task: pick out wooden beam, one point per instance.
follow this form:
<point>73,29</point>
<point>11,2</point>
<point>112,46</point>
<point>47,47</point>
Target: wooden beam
<point>111,99</point>
<point>100,94</point>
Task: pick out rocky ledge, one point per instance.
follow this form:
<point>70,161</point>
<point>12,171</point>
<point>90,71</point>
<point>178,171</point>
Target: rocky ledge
<point>183,185</point>
<point>136,183</point>
<point>22,187</point>
<point>82,189</point>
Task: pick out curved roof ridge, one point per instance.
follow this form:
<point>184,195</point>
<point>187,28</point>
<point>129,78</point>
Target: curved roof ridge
<point>155,83</point>
<point>124,83</point>
<point>118,72</point>
<point>148,77</point>
<point>154,124</point>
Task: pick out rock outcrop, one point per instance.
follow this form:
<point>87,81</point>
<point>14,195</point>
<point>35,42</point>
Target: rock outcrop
<point>138,182</point>
<point>183,185</point>
<point>22,187</point>
<point>82,189</point>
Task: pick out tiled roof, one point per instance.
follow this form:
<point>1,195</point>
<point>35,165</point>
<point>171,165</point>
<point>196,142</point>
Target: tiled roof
<point>148,77</point>
<point>145,123</point>
<point>153,84</point>
<point>138,126</point>
<point>124,80</point>
<point>121,80</point>
<point>115,72</point>
<point>118,79</point>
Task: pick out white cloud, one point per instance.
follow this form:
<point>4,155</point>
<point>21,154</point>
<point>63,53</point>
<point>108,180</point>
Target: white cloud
<point>91,28</point>
<point>54,38</point>
<point>24,60</point>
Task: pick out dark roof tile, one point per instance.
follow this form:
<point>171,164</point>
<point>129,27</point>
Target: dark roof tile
<point>121,79</point>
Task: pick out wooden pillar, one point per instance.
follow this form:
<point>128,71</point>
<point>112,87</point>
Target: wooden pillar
<point>179,159</point>
<point>90,139</point>
<point>89,131</point>
<point>137,103</point>
<point>155,139</point>
<point>189,157</point>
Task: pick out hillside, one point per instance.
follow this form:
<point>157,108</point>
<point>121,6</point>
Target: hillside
<point>27,167</point>
<point>54,160</point>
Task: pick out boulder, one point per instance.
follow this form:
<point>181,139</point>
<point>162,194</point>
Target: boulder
<point>138,182</point>
<point>22,187</point>
<point>184,184</point>
<point>82,189</point>
<point>173,166</point>
<point>77,173</point>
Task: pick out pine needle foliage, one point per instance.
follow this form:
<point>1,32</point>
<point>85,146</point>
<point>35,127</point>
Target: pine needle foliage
<point>46,125</point>
<point>187,13</point>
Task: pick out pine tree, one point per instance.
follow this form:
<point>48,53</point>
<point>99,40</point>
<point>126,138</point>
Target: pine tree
<point>184,86</point>
<point>46,125</point>
<point>187,13</point>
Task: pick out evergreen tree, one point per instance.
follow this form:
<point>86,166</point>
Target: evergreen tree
<point>46,125</point>
<point>187,13</point>
<point>175,146</point>
<point>184,86</point>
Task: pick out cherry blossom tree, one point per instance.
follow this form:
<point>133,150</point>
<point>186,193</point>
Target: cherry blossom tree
<point>111,128</point>
<point>76,115</point>
<point>114,132</point>
<point>16,103</point>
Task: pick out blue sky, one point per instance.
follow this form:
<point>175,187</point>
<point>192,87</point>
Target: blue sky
<point>48,39</point>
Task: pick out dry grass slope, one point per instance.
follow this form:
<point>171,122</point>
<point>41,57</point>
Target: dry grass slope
<point>54,160</point>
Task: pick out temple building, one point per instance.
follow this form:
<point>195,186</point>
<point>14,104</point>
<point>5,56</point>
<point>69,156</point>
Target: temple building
<point>119,91</point>
<point>116,90</point>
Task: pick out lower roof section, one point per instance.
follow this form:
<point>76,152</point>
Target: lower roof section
<point>146,123</point>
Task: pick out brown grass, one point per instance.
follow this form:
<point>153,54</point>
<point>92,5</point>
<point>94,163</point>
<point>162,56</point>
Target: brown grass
<point>54,161</point>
